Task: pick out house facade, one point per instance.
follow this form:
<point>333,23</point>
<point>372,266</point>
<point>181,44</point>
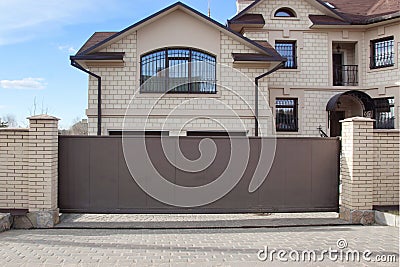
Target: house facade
<point>314,63</point>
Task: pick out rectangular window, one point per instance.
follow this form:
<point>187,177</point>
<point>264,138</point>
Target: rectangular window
<point>384,113</point>
<point>286,114</point>
<point>382,53</point>
<point>287,49</point>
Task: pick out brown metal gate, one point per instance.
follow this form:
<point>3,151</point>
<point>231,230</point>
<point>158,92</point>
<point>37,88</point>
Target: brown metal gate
<point>94,177</point>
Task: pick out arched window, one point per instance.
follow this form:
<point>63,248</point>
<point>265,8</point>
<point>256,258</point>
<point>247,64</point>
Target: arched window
<point>285,12</point>
<point>178,70</point>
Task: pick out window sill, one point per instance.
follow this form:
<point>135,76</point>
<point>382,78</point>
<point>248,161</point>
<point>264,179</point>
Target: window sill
<point>290,70</point>
<point>377,69</point>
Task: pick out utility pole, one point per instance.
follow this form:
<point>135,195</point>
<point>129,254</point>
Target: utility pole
<point>209,8</point>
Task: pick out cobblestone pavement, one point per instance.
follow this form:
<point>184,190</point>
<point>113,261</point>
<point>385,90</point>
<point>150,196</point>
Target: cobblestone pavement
<point>200,247</point>
<point>198,220</point>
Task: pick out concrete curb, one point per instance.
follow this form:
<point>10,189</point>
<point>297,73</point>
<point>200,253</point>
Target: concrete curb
<point>385,218</point>
<point>68,222</point>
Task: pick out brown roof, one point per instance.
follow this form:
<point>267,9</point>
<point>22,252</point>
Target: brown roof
<point>96,38</point>
<point>366,7</point>
<point>350,11</point>
<point>363,11</point>
<point>271,50</point>
<point>273,55</point>
<point>247,20</point>
<point>326,20</point>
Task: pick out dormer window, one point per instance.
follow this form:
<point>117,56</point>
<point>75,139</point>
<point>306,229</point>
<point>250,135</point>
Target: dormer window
<point>285,12</point>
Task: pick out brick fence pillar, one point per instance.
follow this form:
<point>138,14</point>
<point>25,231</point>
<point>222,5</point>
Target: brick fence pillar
<point>357,170</point>
<point>43,171</point>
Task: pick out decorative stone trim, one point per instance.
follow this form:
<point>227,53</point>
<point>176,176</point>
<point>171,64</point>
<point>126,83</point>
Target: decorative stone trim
<point>5,222</point>
<point>38,219</point>
<point>365,217</point>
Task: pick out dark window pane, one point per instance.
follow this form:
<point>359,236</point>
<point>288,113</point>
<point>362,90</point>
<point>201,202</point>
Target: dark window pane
<point>153,75</point>
<point>382,53</point>
<point>286,115</point>
<point>284,12</point>
<point>178,70</point>
<point>287,49</point>
<point>384,113</point>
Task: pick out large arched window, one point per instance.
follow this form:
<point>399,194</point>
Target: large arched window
<point>178,70</point>
<point>285,12</point>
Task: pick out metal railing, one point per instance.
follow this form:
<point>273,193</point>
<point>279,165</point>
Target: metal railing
<point>345,75</point>
<point>321,132</point>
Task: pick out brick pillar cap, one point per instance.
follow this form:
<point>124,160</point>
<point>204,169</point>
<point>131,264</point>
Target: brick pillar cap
<point>362,119</point>
<point>43,117</point>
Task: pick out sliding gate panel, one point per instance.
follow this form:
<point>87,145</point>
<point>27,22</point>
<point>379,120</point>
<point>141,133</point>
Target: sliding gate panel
<point>95,178</point>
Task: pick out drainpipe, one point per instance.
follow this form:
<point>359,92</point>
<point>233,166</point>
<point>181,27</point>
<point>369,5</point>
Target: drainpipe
<point>76,65</point>
<point>280,65</point>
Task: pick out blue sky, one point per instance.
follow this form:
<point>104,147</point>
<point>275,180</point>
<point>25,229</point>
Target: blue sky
<point>37,37</point>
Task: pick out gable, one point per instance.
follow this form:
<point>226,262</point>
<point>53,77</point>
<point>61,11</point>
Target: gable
<point>159,15</point>
<point>302,8</point>
<point>176,29</point>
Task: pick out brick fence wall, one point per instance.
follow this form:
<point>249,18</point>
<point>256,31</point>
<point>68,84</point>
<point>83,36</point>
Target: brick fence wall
<point>369,169</point>
<point>386,167</point>
<point>14,182</point>
<point>29,171</point>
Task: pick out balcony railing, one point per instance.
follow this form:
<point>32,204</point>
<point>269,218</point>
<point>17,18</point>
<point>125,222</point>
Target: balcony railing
<point>345,75</point>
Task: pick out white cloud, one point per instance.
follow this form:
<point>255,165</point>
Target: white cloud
<point>24,84</point>
<point>3,106</point>
<point>67,48</point>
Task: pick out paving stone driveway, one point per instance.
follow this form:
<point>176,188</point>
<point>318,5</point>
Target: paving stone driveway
<point>174,247</point>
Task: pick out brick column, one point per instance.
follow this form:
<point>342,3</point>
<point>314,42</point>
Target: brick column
<point>357,165</point>
<point>43,170</point>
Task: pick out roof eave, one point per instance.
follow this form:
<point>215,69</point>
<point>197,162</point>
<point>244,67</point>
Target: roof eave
<point>367,23</point>
<point>100,56</point>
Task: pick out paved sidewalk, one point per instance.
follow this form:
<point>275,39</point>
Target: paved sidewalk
<point>184,221</point>
<point>200,247</point>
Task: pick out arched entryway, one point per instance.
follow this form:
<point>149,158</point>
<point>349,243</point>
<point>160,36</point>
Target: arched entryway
<point>346,105</point>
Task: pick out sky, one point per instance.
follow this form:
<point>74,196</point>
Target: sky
<point>37,38</point>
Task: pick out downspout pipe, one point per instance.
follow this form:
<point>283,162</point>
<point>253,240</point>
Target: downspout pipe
<point>78,66</point>
<point>256,82</point>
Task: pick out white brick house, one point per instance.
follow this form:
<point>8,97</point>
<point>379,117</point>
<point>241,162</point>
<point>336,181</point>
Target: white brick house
<point>331,48</point>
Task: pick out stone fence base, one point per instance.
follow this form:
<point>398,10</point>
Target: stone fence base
<point>38,219</point>
<point>365,217</point>
<point>5,222</point>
